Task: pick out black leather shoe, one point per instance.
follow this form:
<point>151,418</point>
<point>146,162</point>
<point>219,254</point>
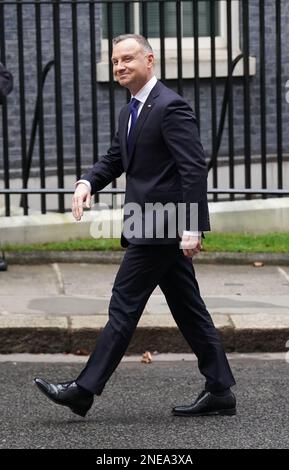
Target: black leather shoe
<point>67,394</point>
<point>208,404</point>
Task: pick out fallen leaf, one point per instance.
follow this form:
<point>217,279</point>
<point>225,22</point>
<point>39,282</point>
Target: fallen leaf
<point>258,264</point>
<point>146,357</point>
<point>82,352</point>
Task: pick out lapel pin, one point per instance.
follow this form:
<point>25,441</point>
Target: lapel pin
<point>149,105</point>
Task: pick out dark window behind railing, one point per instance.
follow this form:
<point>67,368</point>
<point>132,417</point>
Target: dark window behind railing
<point>135,15</point>
<point>229,59</point>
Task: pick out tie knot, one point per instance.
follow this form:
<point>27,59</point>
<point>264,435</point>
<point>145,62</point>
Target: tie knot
<point>134,103</point>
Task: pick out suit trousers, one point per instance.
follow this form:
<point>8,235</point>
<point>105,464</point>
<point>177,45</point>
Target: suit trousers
<point>143,268</point>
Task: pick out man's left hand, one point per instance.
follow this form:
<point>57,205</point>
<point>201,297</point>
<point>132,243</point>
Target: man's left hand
<point>191,245</point>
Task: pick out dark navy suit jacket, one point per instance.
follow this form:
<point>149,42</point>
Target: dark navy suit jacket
<point>166,163</point>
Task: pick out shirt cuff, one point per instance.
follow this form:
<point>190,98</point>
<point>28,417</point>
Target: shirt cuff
<point>192,234</point>
<point>85,182</point>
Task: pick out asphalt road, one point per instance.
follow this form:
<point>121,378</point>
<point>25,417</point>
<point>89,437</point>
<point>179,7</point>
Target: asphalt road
<point>134,411</point>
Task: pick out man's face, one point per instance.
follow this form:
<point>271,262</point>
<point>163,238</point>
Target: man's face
<point>132,66</point>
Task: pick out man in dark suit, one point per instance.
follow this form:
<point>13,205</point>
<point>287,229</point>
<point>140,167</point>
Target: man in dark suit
<point>158,147</point>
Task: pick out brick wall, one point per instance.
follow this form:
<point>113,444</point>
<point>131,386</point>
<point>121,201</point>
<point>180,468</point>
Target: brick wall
<point>120,95</point>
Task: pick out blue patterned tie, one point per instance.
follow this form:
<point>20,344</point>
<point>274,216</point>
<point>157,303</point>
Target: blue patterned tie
<point>134,103</point>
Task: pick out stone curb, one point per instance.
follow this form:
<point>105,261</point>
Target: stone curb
<point>78,334</point>
<point>115,257</point>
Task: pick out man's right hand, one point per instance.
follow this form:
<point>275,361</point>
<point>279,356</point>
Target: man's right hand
<point>81,195</point>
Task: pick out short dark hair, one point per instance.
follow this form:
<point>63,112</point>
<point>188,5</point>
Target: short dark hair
<point>140,39</point>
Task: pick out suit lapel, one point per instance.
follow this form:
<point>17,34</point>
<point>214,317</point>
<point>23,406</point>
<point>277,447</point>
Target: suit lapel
<point>147,107</point>
<point>124,119</point>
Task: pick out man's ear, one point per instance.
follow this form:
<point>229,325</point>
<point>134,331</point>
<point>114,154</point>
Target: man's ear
<point>150,59</point>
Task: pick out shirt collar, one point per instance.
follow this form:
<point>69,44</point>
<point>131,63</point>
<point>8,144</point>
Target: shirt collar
<point>144,92</point>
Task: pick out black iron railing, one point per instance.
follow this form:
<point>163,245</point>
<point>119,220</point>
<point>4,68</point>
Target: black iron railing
<point>63,111</point>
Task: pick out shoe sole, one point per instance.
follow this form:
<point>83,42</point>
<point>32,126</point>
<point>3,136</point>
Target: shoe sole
<point>78,411</point>
<point>229,412</point>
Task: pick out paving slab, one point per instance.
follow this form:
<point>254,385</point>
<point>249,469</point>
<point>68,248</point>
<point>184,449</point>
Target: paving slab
<point>62,307</point>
